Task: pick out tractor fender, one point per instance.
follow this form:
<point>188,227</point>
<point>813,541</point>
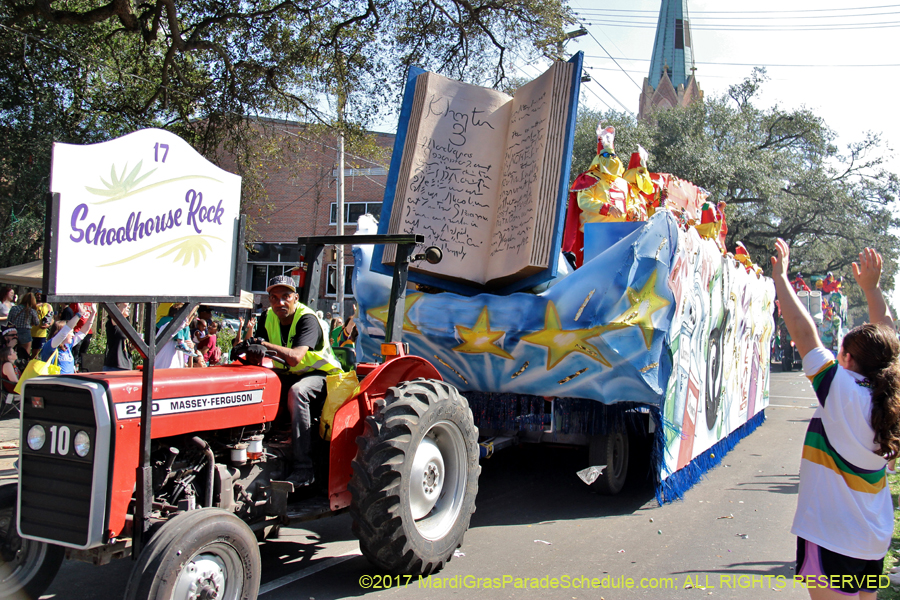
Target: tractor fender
<point>349,419</point>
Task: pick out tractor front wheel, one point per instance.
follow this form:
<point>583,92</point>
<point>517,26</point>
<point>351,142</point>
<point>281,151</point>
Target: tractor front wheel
<point>415,477</point>
<point>27,567</point>
<point>203,553</point>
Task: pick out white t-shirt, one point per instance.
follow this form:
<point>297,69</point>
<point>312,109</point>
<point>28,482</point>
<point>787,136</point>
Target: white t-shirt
<point>844,503</point>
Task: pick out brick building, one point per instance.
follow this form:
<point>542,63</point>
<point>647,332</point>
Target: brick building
<point>303,201</point>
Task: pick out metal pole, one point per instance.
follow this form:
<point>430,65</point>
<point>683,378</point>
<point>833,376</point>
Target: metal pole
<point>144,471</point>
<point>339,250</point>
<point>397,304</point>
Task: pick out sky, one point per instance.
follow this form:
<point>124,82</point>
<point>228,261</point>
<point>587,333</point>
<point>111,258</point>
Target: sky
<point>838,59</point>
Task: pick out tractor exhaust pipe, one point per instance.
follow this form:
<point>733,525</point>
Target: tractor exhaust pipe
<point>211,471</point>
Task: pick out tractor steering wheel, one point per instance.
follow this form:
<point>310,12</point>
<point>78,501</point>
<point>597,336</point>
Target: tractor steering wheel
<point>237,353</point>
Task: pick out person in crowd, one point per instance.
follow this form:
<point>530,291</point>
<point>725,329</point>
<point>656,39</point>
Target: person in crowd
<point>62,338</point>
<point>81,346</point>
<point>334,327</point>
<point>162,311</point>
<point>175,353</point>
<point>242,332</point>
<point>345,335</point>
<point>10,339</point>
<point>8,369</point>
<point>23,316</point>
<point>204,312</point>
<point>208,345</point>
<point>7,301</point>
<point>118,357</point>
<point>844,521</point>
<point>297,336</point>
<point>198,330</point>
<point>39,332</point>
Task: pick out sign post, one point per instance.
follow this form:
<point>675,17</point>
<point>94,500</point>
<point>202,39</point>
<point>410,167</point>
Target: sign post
<point>143,218</point>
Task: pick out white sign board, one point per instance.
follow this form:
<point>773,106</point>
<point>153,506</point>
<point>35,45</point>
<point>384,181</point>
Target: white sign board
<point>143,215</point>
<point>171,406</point>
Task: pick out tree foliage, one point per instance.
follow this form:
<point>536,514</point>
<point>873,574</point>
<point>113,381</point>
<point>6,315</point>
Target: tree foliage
<point>84,71</point>
<point>782,175</point>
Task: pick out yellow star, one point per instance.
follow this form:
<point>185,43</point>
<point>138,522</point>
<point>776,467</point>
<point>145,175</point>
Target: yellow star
<point>562,342</point>
<point>480,339</point>
<point>643,304</point>
<point>381,313</point>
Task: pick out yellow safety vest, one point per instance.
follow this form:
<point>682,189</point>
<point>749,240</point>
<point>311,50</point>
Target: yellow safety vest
<point>315,360</point>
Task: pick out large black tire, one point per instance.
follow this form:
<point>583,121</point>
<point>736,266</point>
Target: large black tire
<point>610,449</point>
<point>27,568</point>
<point>415,477</point>
<point>205,548</point>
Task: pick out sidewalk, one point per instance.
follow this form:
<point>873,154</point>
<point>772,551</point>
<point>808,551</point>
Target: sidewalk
<point>9,431</point>
<point>9,448</point>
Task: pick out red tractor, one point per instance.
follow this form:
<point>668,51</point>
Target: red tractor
<point>403,458</point>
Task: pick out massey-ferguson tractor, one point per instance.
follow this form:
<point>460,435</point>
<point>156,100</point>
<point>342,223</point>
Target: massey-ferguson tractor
<point>402,457</point>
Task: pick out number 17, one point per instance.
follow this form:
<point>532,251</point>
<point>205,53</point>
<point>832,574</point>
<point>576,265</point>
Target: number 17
<point>156,148</point>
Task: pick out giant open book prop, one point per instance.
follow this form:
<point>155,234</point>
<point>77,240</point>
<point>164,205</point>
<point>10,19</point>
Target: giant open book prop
<point>484,177</point>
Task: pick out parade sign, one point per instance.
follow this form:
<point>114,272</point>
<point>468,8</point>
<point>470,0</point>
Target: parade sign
<point>143,215</point>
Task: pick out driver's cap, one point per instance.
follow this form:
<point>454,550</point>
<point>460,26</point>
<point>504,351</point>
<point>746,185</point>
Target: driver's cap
<point>282,281</point>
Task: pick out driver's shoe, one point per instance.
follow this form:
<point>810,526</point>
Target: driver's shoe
<point>301,478</point>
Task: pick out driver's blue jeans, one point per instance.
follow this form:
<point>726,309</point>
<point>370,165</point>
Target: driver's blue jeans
<point>305,398</point>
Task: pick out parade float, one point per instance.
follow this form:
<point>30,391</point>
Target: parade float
<point>825,301</point>
<point>652,337</point>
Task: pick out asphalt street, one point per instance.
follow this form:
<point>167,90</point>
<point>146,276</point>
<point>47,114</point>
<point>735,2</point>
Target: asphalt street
<point>536,521</point>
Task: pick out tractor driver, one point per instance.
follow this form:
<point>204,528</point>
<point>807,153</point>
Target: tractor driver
<point>292,331</point>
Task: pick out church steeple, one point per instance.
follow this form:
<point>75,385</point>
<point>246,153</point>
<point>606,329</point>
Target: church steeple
<point>672,48</point>
<point>671,79</point>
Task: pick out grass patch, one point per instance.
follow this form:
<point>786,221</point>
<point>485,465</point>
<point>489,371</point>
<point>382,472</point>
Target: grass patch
<point>893,555</point>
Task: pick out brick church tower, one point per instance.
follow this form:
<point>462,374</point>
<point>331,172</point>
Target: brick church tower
<point>671,81</point>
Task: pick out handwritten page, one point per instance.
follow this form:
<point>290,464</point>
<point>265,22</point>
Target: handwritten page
<point>451,173</point>
<point>516,216</point>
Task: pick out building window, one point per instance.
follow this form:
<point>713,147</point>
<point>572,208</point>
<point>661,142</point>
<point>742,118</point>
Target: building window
<point>266,260</point>
<point>261,274</point>
<point>679,34</point>
<point>354,210</point>
<point>331,284</point>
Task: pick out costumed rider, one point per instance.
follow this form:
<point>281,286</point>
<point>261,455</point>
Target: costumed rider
<point>605,200</point>
<point>293,332</point>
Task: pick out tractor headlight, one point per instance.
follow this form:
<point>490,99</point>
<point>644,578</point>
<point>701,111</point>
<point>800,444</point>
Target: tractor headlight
<point>36,437</point>
<point>82,443</point>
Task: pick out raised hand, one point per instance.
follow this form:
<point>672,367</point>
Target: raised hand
<point>867,271</point>
<point>781,260</point>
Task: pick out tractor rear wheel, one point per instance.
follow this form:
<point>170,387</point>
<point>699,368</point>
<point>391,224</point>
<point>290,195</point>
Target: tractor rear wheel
<point>27,567</point>
<point>203,553</point>
<point>415,477</point>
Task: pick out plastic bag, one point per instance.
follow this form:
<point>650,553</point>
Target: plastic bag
<point>38,367</point>
<point>341,387</point>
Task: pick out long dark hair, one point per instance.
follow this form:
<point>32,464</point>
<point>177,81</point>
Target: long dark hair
<point>875,348</point>
<point>28,300</point>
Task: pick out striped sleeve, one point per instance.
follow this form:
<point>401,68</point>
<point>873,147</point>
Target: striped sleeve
<point>821,381</point>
